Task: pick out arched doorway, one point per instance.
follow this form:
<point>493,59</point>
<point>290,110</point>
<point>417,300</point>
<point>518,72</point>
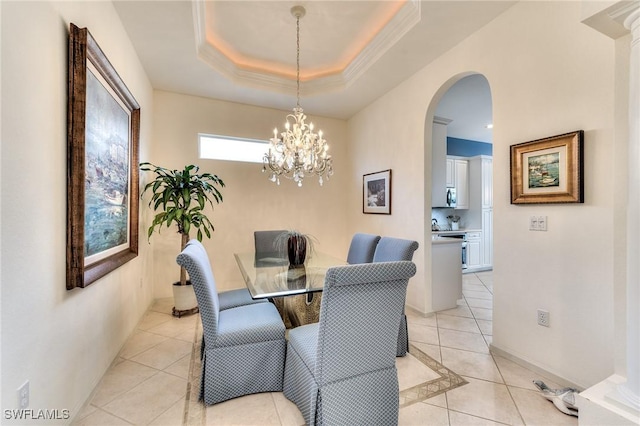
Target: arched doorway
<point>459,129</point>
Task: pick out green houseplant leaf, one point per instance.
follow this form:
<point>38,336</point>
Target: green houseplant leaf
<point>179,198</point>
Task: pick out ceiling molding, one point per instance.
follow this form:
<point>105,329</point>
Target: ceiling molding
<point>402,22</point>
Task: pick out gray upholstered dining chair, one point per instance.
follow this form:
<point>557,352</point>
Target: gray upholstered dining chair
<point>393,249</point>
<point>266,251</point>
<point>243,347</point>
<point>362,248</point>
<point>230,298</point>
<point>341,370</point>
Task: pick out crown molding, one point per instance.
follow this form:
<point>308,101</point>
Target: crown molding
<point>402,22</point>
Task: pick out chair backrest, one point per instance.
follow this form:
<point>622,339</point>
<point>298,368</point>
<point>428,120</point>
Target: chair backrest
<point>360,315</point>
<point>393,249</point>
<point>265,241</point>
<point>362,248</point>
<point>195,260</point>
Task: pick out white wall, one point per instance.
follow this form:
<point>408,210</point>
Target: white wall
<point>251,201</point>
<point>549,74</point>
<point>61,341</point>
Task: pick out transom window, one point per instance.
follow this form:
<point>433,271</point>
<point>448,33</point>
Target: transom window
<point>214,147</point>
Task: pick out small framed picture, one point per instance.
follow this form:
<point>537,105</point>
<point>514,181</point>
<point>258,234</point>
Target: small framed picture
<point>548,170</point>
<point>376,192</point>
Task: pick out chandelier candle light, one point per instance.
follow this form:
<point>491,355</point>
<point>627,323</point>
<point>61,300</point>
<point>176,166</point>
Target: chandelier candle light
<point>298,150</point>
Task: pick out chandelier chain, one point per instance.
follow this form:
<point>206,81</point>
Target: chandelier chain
<point>298,61</point>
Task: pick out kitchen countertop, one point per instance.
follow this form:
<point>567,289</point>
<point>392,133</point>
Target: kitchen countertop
<point>459,231</point>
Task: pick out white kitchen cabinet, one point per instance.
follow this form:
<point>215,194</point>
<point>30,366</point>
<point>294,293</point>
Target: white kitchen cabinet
<point>451,173</point>
<point>474,245</point>
<point>487,238</point>
<point>462,183</point>
<point>439,172</point>
<point>486,178</point>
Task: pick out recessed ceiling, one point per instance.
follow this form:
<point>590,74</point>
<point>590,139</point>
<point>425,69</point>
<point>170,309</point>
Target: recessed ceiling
<point>330,60</point>
<point>257,39</point>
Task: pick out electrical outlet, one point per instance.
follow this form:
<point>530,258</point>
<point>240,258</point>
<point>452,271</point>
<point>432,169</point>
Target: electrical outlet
<point>543,318</point>
<point>23,395</point>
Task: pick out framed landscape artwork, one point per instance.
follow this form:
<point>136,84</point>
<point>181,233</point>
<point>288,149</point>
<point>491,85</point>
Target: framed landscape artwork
<point>548,170</point>
<point>103,128</point>
<point>376,192</point>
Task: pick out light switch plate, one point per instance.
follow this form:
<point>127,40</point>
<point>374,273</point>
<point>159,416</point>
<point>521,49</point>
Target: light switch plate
<point>542,223</point>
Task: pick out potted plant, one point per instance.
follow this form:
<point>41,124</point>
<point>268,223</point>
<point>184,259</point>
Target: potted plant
<point>179,197</point>
<point>295,244</point>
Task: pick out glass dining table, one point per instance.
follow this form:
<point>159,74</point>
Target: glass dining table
<point>294,290</point>
<point>269,275</point>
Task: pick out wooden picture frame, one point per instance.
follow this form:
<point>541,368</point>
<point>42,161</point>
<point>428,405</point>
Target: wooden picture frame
<point>376,192</point>
<point>103,132</point>
<point>548,170</point>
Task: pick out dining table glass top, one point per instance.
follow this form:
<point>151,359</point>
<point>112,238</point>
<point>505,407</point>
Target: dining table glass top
<point>270,275</point>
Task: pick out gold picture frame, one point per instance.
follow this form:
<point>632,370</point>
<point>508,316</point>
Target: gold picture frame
<point>103,132</point>
<point>548,170</point>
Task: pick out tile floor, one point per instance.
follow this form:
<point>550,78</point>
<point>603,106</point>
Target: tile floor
<point>149,381</point>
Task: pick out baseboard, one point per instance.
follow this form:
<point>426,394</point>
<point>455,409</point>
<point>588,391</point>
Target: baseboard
<point>529,366</point>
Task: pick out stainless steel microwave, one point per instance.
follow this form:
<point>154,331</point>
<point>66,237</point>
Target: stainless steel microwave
<point>451,197</point>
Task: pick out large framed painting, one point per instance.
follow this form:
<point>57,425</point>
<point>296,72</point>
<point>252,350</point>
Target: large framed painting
<point>103,130</point>
<point>376,192</point>
<point>548,170</point>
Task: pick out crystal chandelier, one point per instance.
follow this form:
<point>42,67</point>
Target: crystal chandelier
<point>298,151</point>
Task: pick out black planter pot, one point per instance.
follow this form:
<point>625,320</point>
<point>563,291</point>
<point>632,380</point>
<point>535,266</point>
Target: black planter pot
<point>297,250</point>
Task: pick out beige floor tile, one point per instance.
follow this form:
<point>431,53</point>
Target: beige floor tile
<point>478,294</point>
<point>100,418</point>
<point>479,303</point>
<point>471,364</point>
<point>438,400</point>
<point>258,409</point>
<point>461,419</point>
<point>471,279</point>
<point>473,287</point>
<point>164,305</point>
<point>516,375</point>
<point>148,400</point>
<point>429,320</point>
<point>486,327</point>
<point>412,372</point>
<point>173,416</point>
<point>152,319</point>
<point>288,412</point>
<point>423,414</point>
<point>164,354</point>
<point>488,339</point>
<point>463,340</point>
<point>139,342</point>
<point>458,323</point>
<point>432,350</point>
<point>84,412</point>
<point>537,410</point>
<point>423,333</point>
<point>482,313</point>
<point>180,368</point>
<point>486,400</point>
<point>460,311</point>
<point>175,327</point>
<point>119,379</point>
